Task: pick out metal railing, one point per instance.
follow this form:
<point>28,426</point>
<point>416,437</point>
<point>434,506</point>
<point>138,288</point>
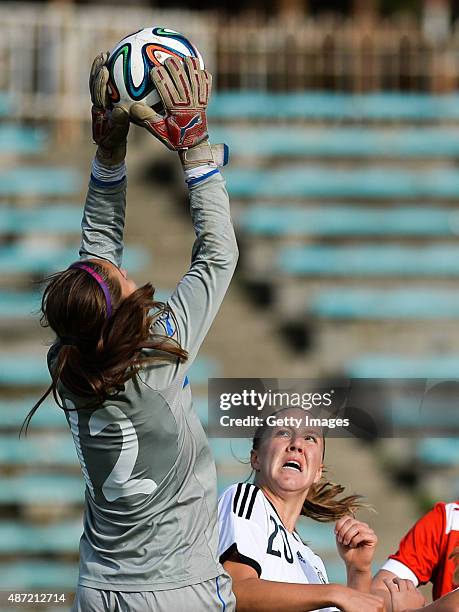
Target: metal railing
<point>335,56</point>
<point>46,52</point>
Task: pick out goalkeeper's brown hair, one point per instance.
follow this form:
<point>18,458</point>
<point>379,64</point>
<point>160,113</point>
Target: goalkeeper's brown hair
<point>96,355</point>
<point>322,502</point>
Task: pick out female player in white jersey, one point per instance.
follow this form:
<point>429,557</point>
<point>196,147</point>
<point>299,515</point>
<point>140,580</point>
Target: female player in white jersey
<point>119,365</point>
<point>271,568</point>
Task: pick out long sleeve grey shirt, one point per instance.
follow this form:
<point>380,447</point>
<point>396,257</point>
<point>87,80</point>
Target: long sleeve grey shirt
<point>150,518</point>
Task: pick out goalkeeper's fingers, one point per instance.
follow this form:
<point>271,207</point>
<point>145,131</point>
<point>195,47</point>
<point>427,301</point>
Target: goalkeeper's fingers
<point>98,79</point>
<point>200,82</point>
<point>172,91</point>
<point>110,129</point>
<point>175,69</point>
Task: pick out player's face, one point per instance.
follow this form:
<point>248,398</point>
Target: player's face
<point>289,458</point>
<point>127,285</point>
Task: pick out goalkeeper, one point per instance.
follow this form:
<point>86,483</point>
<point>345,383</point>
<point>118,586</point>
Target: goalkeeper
<point>119,366</point>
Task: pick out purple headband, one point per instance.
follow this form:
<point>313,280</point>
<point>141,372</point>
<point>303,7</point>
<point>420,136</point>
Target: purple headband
<point>100,281</point>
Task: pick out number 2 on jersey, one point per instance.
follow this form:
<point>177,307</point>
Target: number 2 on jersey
<point>119,483</point>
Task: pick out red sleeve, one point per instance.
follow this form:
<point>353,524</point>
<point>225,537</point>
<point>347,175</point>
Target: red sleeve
<point>420,549</point>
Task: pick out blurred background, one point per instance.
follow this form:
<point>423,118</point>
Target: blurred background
<point>343,122</point>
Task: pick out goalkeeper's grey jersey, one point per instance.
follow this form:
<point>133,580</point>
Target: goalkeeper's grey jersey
<point>151,510</point>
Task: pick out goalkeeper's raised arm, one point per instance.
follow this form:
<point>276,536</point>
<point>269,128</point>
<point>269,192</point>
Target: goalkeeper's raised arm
<point>185,90</point>
<point>119,369</point>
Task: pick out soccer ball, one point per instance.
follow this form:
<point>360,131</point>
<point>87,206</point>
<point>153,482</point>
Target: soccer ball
<point>130,62</point>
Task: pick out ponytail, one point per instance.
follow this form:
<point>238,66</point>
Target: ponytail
<point>95,354</point>
<point>321,503</point>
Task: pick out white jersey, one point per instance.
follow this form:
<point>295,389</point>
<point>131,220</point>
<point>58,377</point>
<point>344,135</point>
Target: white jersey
<point>249,525</point>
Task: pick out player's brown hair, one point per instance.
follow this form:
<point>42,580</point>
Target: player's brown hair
<point>321,503</point>
<point>95,354</point>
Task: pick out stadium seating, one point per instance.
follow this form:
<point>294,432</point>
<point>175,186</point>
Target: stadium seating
<point>55,219</point>
<point>341,220</point>
<point>359,186</point>
<point>18,140</point>
<point>13,412</point>
<point>21,537</point>
<point>33,259</point>
<point>39,181</point>
<point>410,304</point>
<point>42,488</point>
<point>321,182</point>
<point>6,105</point>
<point>369,260</point>
<point>310,106</point>
<point>337,142</point>
<point>438,452</point>
<point>413,416</point>
<point>16,305</point>
<point>39,450</point>
<point>399,366</point>
<point>39,575</point>
<point>42,469</point>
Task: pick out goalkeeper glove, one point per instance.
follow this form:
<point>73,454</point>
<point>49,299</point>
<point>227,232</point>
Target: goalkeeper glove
<point>184,90</point>
<point>109,127</point>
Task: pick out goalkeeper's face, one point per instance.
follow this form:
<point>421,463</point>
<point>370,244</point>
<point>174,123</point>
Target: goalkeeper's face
<point>120,276</point>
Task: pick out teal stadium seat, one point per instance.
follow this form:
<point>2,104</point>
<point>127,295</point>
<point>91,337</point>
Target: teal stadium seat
<point>23,369</point>
<point>258,105</point>
<point>14,411</point>
<point>23,576</point>
<point>20,140</point>
<point>340,220</point>
<point>49,219</point>
<point>19,537</point>
<point>39,181</point>
<point>36,259</point>
<point>415,303</point>
<point>6,104</point>
<point>438,452</point>
<point>18,304</point>
<point>369,260</point>
<point>403,366</point>
<point>338,142</point>
<point>38,450</point>
<point>319,181</point>
<point>42,488</point>
<point>413,415</point>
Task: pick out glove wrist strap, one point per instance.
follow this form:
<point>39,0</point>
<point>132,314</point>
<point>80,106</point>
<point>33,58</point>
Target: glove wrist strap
<point>204,153</point>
